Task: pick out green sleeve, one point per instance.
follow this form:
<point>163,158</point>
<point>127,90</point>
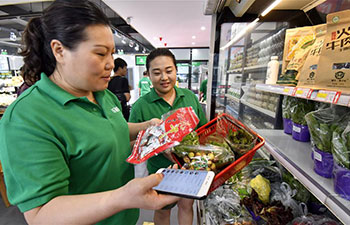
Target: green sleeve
<point>40,151</point>
<point>135,114</point>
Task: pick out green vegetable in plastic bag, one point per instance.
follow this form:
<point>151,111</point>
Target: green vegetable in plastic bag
<point>299,109</point>
<point>341,143</point>
<point>322,123</point>
<point>262,187</point>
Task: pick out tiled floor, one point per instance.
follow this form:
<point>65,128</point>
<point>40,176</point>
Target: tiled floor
<point>12,216</point>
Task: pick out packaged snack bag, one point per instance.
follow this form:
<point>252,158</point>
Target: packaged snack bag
<point>309,70</point>
<point>333,72</point>
<point>175,126</point>
<point>298,43</point>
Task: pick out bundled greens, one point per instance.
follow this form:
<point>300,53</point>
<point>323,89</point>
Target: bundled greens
<point>240,141</point>
<point>299,109</point>
<point>321,125</point>
<point>287,102</point>
<point>341,143</point>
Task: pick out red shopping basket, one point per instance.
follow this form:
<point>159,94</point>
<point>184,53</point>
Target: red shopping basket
<point>222,124</point>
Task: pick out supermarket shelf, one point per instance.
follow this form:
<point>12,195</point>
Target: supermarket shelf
<point>232,98</point>
<point>296,157</point>
<point>327,96</point>
<point>232,111</point>
<point>250,68</point>
<point>262,110</point>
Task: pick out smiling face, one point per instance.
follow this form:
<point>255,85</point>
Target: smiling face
<point>162,73</point>
<point>87,68</point>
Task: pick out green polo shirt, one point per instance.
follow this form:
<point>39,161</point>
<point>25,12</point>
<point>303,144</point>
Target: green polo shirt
<point>203,89</point>
<point>53,143</point>
<point>152,106</point>
<point>145,85</point>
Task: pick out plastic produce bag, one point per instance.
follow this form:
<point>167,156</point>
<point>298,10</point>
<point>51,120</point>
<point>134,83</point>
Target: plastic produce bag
<point>299,109</point>
<point>174,127</point>
<point>321,125</point>
<point>262,187</point>
<point>204,157</point>
<point>301,193</point>
<point>223,207</point>
<point>341,143</point>
<point>310,219</point>
<point>283,192</point>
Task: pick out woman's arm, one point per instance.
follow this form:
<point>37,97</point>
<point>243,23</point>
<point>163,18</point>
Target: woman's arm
<point>92,208</point>
<point>135,128</point>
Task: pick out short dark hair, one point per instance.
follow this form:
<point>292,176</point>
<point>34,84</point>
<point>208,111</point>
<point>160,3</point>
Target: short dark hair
<point>145,73</point>
<point>63,20</point>
<point>159,52</point>
<point>119,63</point>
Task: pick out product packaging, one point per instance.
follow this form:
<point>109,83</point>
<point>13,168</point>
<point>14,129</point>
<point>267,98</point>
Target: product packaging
<point>174,127</point>
<point>272,70</point>
<point>298,43</point>
<point>299,109</point>
<point>333,72</point>
<point>321,124</point>
<point>341,154</point>
<point>308,72</point>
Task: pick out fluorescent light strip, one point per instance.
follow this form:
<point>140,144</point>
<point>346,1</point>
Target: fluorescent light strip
<point>268,9</point>
<point>240,34</point>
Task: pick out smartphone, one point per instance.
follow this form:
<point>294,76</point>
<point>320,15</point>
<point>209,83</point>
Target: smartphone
<point>185,183</point>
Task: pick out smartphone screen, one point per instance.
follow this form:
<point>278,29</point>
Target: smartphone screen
<point>185,183</point>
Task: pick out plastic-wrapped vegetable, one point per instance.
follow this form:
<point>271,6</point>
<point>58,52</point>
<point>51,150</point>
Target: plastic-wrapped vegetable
<point>341,143</point>
<point>302,194</point>
<point>283,192</point>
<point>240,141</point>
<point>262,187</point>
<point>299,109</point>
<point>322,123</point>
<point>204,157</point>
<point>286,106</point>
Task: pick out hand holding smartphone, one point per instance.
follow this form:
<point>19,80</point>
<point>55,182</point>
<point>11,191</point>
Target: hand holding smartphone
<point>185,183</point>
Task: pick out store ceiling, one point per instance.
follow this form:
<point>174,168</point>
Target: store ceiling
<point>176,21</point>
<point>15,14</point>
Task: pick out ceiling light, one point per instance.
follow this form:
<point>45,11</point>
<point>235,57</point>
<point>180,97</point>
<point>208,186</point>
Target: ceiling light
<point>137,47</point>
<point>193,37</point>
<point>144,51</point>
<point>202,27</point>
<point>240,34</point>
<point>268,9</point>
<point>131,44</point>
<point>193,43</point>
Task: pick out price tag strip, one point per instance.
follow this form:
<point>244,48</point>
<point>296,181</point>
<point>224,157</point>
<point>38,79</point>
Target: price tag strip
<point>288,91</point>
<point>328,96</point>
<point>303,92</point>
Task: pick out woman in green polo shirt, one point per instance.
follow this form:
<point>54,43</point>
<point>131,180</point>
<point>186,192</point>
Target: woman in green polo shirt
<point>165,96</point>
<point>64,141</point>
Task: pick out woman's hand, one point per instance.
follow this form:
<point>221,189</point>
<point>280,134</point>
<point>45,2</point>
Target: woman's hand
<point>153,122</point>
<point>139,193</point>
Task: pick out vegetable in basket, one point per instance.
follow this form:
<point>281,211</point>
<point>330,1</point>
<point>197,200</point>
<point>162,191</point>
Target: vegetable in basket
<point>212,156</point>
<point>240,141</point>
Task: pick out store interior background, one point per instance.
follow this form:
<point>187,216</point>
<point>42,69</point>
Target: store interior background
<point>196,31</point>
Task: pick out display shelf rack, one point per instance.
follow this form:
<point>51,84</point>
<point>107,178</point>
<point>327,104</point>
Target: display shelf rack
<point>231,97</point>
<point>257,108</point>
<point>230,110</point>
<point>307,93</point>
<point>296,158</point>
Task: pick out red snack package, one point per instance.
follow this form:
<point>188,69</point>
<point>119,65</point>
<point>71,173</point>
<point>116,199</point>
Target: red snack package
<point>174,127</point>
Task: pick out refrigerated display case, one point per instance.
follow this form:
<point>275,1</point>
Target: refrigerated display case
<point>259,105</point>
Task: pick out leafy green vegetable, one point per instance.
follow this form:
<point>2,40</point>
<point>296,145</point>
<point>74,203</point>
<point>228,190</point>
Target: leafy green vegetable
<point>321,125</point>
<point>300,108</point>
<point>341,144</point>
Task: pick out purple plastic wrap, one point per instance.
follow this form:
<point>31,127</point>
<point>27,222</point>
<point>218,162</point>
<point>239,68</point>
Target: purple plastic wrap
<point>341,181</point>
<point>323,163</point>
<point>300,132</point>
<point>287,126</point>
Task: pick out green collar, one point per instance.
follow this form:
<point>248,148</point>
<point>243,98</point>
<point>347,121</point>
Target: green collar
<point>60,95</point>
<point>155,97</point>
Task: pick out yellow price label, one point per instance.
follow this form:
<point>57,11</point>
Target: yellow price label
<point>286,90</point>
<point>299,92</point>
<point>322,95</point>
